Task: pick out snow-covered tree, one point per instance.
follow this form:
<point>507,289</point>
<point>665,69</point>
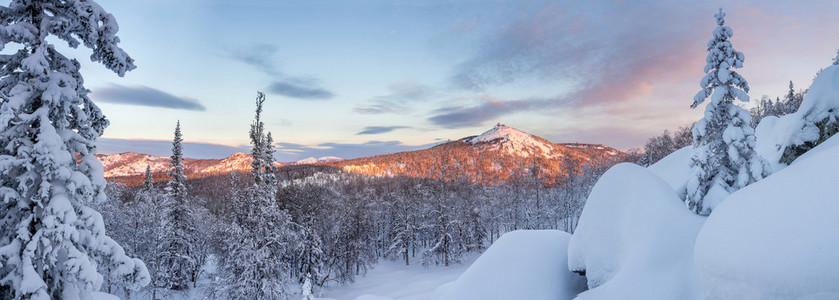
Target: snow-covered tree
<point>51,241</point>
<point>257,136</point>
<point>148,180</point>
<point>310,253</point>
<point>792,101</point>
<point>836,59</point>
<point>724,159</point>
<point>180,254</point>
<point>816,120</point>
<point>261,236</point>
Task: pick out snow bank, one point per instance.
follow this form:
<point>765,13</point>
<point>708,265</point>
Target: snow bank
<point>524,264</point>
<point>635,238</point>
<point>776,239</point>
<point>674,168</point>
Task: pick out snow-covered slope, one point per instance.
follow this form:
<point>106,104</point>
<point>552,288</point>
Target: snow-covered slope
<point>313,160</point>
<point>130,163</point>
<point>776,239</point>
<point>134,164</point>
<point>525,264</point>
<point>635,239</point>
<point>495,156</point>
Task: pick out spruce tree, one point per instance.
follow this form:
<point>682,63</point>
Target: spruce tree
<point>51,240</point>
<point>148,181</point>
<point>724,159</point>
<point>261,234</point>
<point>179,257</point>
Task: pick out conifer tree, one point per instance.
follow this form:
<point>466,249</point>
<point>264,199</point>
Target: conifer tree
<point>179,258</point>
<point>148,181</point>
<point>51,241</point>
<point>262,237</point>
<point>724,159</point>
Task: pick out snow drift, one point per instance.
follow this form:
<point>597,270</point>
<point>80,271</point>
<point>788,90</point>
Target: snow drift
<point>635,239</point>
<point>776,239</point>
<point>524,264</point>
<point>674,168</point>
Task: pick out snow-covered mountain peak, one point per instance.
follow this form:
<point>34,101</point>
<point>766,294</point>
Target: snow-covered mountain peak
<point>513,141</point>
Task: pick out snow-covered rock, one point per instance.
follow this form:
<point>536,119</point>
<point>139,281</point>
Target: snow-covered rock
<point>524,264</point>
<point>776,239</point>
<point>635,238</point>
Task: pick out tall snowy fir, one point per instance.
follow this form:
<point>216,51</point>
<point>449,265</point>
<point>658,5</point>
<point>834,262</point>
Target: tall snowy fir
<point>257,137</point>
<point>255,263</point>
<point>179,252</point>
<point>51,241</point>
<point>724,158</point>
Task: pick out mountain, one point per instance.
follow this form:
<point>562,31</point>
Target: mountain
<point>134,164</point>
<point>500,154</point>
<point>312,160</point>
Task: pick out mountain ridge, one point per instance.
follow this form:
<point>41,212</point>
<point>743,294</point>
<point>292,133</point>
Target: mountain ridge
<point>502,153</point>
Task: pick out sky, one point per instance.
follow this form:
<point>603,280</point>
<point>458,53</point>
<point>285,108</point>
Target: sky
<point>361,78</point>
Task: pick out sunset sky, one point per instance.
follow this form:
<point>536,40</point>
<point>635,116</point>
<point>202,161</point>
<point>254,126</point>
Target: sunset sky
<point>359,78</point>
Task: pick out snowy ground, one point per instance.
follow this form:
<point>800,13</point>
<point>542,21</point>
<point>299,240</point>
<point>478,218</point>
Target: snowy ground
<point>394,280</point>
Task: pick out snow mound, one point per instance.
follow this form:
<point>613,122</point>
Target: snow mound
<point>513,141</point>
<point>776,239</point>
<point>524,264</point>
<point>674,168</point>
<point>635,238</point>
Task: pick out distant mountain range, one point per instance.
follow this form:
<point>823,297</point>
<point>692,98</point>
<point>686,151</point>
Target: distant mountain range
<point>502,153</point>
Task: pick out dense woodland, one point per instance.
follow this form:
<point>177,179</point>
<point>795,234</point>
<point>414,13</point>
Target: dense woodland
<point>340,223</point>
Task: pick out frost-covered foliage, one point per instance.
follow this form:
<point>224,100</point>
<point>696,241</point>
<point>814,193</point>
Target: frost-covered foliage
<point>261,235</point>
<point>766,107</point>
<point>815,121</point>
<point>180,252</point>
<point>51,241</point>
<point>262,151</point>
<point>658,147</point>
<point>724,159</point>
<point>139,220</point>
